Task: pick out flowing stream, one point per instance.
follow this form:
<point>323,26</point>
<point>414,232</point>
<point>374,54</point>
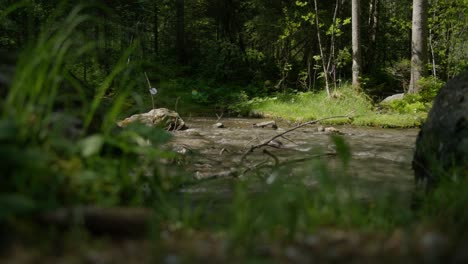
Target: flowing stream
<point>380,158</point>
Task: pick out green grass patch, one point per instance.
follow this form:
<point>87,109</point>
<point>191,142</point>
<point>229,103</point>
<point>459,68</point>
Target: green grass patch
<point>308,106</point>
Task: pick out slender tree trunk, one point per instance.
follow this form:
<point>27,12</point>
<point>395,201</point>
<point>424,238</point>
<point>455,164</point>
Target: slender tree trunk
<point>418,44</point>
<point>180,34</point>
<point>373,24</point>
<point>155,28</point>
<point>431,45</point>
<point>331,57</point>
<point>324,65</point>
<point>356,39</point>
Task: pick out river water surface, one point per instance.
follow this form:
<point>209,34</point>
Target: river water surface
<point>380,158</point>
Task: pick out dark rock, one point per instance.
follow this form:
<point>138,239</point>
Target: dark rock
<point>442,144</point>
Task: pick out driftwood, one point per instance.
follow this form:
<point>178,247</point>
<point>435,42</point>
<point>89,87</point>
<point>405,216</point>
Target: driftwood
<point>267,142</point>
<point>266,124</point>
<point>118,221</point>
<point>214,175</point>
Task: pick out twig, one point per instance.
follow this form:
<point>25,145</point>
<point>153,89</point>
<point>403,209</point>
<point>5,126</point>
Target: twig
<point>149,87</point>
<point>272,156</point>
<point>328,154</point>
<point>176,103</point>
<point>265,143</point>
<point>219,116</point>
<point>147,79</point>
<point>289,140</point>
<point>250,141</point>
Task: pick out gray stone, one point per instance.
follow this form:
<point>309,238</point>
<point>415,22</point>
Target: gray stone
<point>394,97</point>
<point>161,117</point>
<point>218,125</point>
<point>442,143</point>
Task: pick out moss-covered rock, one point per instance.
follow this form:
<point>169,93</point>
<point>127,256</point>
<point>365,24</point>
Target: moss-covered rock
<point>161,117</point>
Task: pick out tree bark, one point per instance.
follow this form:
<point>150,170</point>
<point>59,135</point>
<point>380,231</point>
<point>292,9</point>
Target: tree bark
<point>356,42</point>
<point>325,70</point>
<point>180,34</point>
<point>155,28</point>
<point>373,24</point>
<point>418,44</point>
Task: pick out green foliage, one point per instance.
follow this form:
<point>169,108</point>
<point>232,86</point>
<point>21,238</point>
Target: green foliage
<point>446,207</point>
<point>401,72</point>
<point>410,104</point>
<point>49,159</point>
<point>417,103</point>
<point>310,106</point>
<point>429,86</point>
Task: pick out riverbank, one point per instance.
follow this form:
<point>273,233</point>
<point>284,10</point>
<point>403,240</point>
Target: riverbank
<point>302,107</point>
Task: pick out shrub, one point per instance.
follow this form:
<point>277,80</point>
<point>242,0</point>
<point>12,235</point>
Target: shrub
<point>429,86</point>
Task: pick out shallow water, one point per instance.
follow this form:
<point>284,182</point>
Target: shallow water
<point>381,158</point>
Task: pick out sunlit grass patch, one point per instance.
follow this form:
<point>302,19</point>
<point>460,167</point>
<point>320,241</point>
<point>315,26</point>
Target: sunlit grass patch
<point>303,107</point>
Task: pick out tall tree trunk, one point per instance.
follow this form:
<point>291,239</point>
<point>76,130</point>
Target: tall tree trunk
<point>180,34</point>
<point>325,70</point>
<point>155,28</point>
<point>356,39</point>
<point>418,44</point>
<point>373,24</point>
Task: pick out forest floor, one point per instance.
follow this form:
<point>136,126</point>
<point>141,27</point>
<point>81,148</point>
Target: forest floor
<point>195,246</point>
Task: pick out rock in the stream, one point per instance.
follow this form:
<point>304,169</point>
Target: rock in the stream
<point>442,143</point>
<point>161,117</point>
<point>332,130</point>
<point>218,125</point>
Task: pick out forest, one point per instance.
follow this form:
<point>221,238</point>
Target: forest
<point>233,131</point>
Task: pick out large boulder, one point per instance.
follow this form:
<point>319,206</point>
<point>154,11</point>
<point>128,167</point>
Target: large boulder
<point>442,144</point>
<point>161,117</point>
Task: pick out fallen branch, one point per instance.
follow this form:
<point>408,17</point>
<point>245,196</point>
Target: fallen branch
<point>266,142</point>
<point>265,124</point>
<point>219,116</point>
<point>292,161</point>
<point>119,221</point>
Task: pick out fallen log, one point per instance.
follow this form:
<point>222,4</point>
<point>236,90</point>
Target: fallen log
<point>117,221</point>
<point>265,124</point>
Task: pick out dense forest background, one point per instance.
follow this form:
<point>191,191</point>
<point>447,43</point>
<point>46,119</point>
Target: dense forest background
<point>222,51</point>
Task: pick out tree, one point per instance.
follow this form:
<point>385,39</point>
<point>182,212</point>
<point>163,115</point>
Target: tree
<point>180,34</point>
<point>155,28</point>
<point>325,69</point>
<point>373,21</point>
<point>356,43</point>
<point>418,44</point>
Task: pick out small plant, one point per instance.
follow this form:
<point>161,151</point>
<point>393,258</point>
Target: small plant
<point>153,91</point>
